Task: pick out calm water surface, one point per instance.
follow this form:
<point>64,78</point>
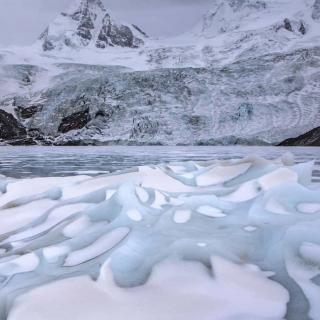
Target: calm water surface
<point>22,162</point>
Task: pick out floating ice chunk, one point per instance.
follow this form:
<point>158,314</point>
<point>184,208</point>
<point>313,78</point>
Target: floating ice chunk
<point>66,211</point>
<point>15,218</point>
<point>25,263</point>
<point>188,175</point>
<point>201,244</point>
<point>159,200</point>
<point>251,189</point>
<point>52,254</point>
<point>100,246</point>
<point>3,186</point>
<point>220,174</point>
<point>105,182</point>
<point>177,169</point>
<point>250,228</point>
<point>287,159</point>
<point>285,246</point>
<point>245,192</point>
<point>155,178</point>
<point>311,252</point>
<point>266,297</point>
<point>211,212</point>
<point>54,218</point>
<point>142,194</point>
<point>177,201</point>
<point>110,193</point>
<point>76,227</point>
<point>182,216</point>
<point>52,194</point>
<point>134,215</point>
<point>32,187</point>
<point>304,172</point>
<point>275,206</point>
<point>176,290</point>
<point>277,177</point>
<point>309,207</point>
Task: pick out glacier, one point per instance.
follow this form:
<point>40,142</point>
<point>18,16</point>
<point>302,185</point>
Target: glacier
<point>233,239</point>
<point>247,73</point>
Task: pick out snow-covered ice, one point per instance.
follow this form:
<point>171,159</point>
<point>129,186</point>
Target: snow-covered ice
<point>233,239</point>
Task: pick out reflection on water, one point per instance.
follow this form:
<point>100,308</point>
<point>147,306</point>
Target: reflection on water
<point>61,161</point>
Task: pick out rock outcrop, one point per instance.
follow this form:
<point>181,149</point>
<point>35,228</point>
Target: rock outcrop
<point>75,121</point>
<point>11,130</point>
<point>311,138</point>
<point>86,24</point>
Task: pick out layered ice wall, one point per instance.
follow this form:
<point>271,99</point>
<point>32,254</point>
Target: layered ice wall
<point>216,240</point>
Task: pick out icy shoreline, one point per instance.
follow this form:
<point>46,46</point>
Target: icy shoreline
<point>231,239</point>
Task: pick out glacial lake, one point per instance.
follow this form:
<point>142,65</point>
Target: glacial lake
<point>24,162</point>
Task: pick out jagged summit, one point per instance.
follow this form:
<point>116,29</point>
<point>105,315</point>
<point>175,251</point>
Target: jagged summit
<point>87,23</point>
<point>248,15</point>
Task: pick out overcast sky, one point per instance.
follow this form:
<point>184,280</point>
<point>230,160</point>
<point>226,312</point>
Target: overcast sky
<point>21,21</point>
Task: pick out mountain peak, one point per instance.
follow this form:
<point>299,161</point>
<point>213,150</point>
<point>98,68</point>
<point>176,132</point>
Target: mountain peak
<point>227,15</point>
<point>87,23</point>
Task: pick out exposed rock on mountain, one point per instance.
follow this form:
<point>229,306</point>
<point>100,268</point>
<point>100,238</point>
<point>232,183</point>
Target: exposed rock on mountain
<point>28,112</point>
<point>311,138</point>
<point>88,23</point>
<point>10,129</point>
<point>75,121</point>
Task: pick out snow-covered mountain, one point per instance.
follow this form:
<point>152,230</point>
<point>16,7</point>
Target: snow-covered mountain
<point>248,72</point>
<point>87,23</point>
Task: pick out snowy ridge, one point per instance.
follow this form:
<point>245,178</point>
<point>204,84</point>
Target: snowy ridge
<point>87,23</point>
<point>216,230</point>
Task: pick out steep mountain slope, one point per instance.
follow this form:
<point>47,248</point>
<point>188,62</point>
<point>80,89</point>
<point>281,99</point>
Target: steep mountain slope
<point>247,73</point>
<point>311,138</point>
<point>87,23</point>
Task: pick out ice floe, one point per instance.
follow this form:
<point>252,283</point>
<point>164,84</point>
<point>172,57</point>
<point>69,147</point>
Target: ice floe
<point>236,239</point>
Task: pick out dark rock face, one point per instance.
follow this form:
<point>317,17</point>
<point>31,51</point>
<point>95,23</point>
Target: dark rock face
<point>138,29</point>
<point>86,24</point>
<point>75,121</point>
<point>116,35</point>
<point>28,112</point>
<point>10,128</point>
<point>316,10</point>
<point>311,138</point>
<point>302,29</point>
<point>86,28</point>
<point>47,45</point>
<point>287,25</point>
